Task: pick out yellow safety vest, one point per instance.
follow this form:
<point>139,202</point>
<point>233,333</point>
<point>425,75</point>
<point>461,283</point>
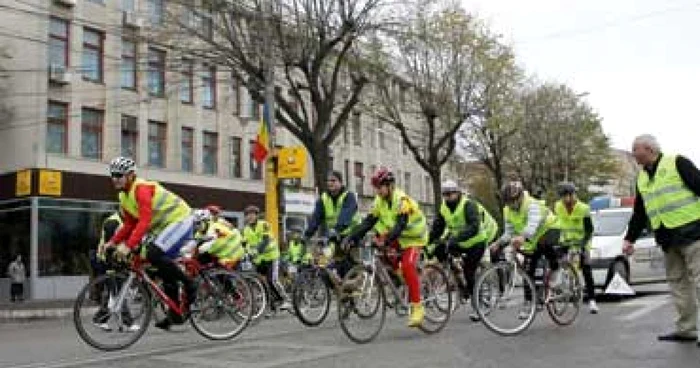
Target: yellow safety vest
<point>331,212</point>
<point>415,234</point>
<point>667,200</point>
<point>572,228</point>
<point>254,235</point>
<point>227,246</point>
<point>167,207</point>
<point>456,222</point>
<point>519,221</point>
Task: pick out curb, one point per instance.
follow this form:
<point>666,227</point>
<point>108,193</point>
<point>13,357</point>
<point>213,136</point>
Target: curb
<point>35,314</point>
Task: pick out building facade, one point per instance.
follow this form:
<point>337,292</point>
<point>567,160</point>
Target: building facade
<point>83,88</point>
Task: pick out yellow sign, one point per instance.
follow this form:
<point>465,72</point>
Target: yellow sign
<point>23,186</point>
<point>292,162</point>
<point>50,182</point>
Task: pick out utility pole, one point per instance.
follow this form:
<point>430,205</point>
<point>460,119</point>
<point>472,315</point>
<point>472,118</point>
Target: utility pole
<point>271,195</point>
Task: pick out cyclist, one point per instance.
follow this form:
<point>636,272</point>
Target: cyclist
<point>260,242</point>
<point>336,215</point>
<point>215,212</point>
<point>577,230</point>
<point>149,208</point>
<point>531,227</point>
<point>297,253</point>
<point>470,227</point>
<point>220,242</point>
<point>100,266</point>
<point>395,210</point>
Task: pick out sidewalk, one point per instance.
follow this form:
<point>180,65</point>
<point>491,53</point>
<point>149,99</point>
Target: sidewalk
<point>35,309</point>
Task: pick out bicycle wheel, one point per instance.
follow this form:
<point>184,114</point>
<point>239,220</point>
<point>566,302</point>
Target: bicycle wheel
<point>362,305</point>
<point>311,297</point>
<point>102,324</point>
<point>259,297</point>
<point>224,305</point>
<point>437,298</point>
<point>564,302</point>
<point>505,299</point>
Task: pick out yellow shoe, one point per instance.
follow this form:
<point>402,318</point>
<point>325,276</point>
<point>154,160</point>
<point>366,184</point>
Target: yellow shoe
<point>417,315</point>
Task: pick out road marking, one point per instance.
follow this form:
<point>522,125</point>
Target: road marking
<point>297,354</point>
<point>649,307</point>
<point>110,356</point>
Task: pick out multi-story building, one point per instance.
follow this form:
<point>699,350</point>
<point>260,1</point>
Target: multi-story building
<point>84,88</point>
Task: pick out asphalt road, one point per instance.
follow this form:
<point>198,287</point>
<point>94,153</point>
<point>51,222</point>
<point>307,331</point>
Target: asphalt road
<point>622,335</point>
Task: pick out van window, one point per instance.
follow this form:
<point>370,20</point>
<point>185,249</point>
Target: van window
<point>610,223</point>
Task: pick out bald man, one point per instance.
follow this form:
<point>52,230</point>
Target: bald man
<point>668,198</point>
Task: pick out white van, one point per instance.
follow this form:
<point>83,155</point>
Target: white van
<point>646,265</point>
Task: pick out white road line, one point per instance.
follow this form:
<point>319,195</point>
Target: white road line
<point>648,308</point>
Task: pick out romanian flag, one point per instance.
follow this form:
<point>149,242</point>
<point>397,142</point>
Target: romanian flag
<point>262,141</point>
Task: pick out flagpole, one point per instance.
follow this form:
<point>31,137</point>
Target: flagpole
<point>271,195</point>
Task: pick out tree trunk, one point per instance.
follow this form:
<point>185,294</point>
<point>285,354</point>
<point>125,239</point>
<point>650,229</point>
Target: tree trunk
<point>321,166</point>
<point>437,192</point>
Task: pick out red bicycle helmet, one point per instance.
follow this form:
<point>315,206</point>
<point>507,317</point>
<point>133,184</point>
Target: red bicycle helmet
<point>382,176</point>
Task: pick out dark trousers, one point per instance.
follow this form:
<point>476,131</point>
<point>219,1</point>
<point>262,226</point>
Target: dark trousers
<point>17,291</point>
<point>171,274</point>
<point>471,258</point>
<point>545,247</point>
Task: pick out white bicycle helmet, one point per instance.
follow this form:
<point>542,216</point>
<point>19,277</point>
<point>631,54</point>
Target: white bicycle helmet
<point>449,186</point>
<point>122,166</point>
<point>201,216</point>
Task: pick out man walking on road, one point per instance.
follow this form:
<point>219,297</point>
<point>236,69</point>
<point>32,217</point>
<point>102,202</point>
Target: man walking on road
<point>668,198</point>
<point>18,275</point>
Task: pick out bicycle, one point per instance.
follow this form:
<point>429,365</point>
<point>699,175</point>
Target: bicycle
<point>130,287</point>
<point>257,285</point>
<point>454,267</point>
<point>509,277</point>
<point>372,277</point>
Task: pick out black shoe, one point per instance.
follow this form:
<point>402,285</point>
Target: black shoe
<point>101,316</point>
<point>678,337</point>
<point>164,324</point>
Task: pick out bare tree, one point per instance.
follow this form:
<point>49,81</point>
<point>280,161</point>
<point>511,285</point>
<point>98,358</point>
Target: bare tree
<point>312,46</point>
<point>442,58</point>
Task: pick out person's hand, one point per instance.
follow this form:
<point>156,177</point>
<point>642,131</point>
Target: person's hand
<point>627,247</point>
<point>102,248</point>
<point>495,246</point>
<point>123,251</point>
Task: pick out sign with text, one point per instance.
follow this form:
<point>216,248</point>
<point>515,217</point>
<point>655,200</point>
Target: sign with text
<point>291,162</point>
<point>23,185</point>
<point>50,182</point>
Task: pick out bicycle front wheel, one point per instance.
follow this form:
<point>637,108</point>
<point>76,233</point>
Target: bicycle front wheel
<point>564,302</point>
<point>361,305</point>
<point>311,297</point>
<point>103,324</point>
<point>437,298</point>
<point>224,305</point>
<point>505,299</point>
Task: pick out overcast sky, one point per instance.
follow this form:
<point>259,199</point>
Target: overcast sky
<point>639,60</point>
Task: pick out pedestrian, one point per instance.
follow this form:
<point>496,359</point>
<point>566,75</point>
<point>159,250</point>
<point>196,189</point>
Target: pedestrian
<point>17,274</point>
<point>668,198</point>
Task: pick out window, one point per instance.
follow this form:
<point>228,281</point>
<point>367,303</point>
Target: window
<point>58,42</point>
<point>236,158</point>
<point>130,136</point>
<point>428,188</point>
<point>346,134</point>
<point>359,179</point>
<point>128,64</point>
<point>356,129</point>
<point>156,143</point>
<point>187,149</point>
<point>204,18</point>
<point>57,128</point>
<point>407,182</point>
<point>210,153</point>
<point>156,72</point>
<point>380,133</point>
<point>92,55</point>
<point>404,146</point>
<point>186,88</point>
<point>101,2</point>
<point>398,177</point>
<point>155,11</point>
<point>209,87</point>
<point>91,138</point>
<point>235,95</point>
<point>128,5</point>
<point>253,109</point>
<point>255,167</point>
